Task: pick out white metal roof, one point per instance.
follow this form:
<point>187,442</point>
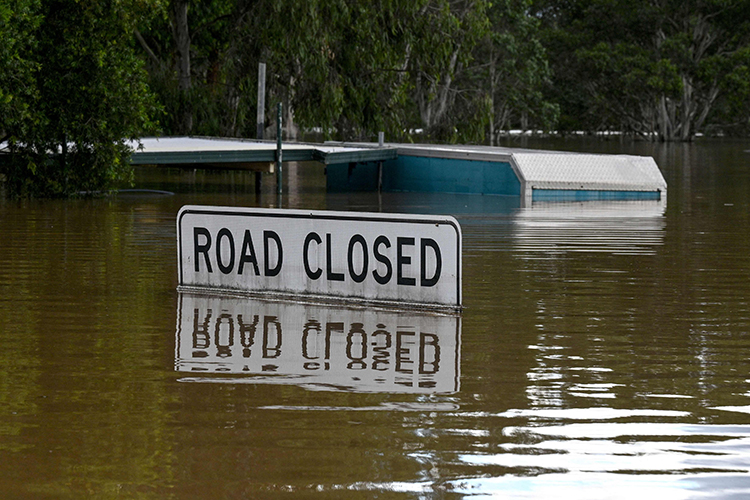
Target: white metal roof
<point>590,172</point>
<point>201,144</point>
<point>166,150</point>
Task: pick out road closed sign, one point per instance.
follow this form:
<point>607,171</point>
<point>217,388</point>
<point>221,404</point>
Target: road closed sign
<point>388,259</point>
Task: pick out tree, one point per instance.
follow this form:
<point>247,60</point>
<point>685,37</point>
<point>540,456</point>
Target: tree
<point>349,67</point>
<point>449,32</point>
<point>346,72</point>
<point>515,70</point>
<point>731,115</point>
<point>479,68</point>
<point>88,97</point>
<point>187,46</point>
<point>652,68</point>
<point>336,65</point>
<point>19,20</point>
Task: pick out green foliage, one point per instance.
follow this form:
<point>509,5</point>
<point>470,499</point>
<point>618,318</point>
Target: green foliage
<point>345,72</point>
<point>663,69</point>
<point>450,32</point>
<point>86,96</point>
<point>521,70</point>
<point>731,116</point>
<point>19,20</point>
<point>351,68</point>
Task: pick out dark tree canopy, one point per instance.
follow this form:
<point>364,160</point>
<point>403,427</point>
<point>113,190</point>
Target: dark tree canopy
<point>666,69</point>
<point>349,68</point>
<point>85,95</point>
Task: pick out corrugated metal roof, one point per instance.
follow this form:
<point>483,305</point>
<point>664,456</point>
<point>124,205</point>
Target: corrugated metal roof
<point>589,172</point>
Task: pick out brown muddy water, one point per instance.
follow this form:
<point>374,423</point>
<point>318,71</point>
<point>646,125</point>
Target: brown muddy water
<point>603,352</point>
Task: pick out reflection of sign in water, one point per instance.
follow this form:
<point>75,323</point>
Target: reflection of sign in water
<point>371,257</point>
<point>346,349</point>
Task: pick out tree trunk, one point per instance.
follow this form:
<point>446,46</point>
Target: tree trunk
<point>291,128</point>
<point>712,96</point>
<point>433,110</point>
<point>445,88</point>
<point>425,110</point>
<point>182,39</point>
<point>663,125</point>
<point>687,112</point>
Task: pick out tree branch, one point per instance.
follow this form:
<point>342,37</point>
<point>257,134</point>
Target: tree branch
<point>146,48</point>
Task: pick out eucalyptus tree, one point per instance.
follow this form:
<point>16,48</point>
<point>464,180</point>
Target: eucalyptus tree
<point>479,68</point>
<point>338,64</point>
<point>519,70</point>
<point>510,70</point>
<point>448,32</point>
<point>350,68</point>
<point>185,45</point>
<point>654,68</point>
<point>707,45</point>
<point>328,62</point>
<point>344,66</point>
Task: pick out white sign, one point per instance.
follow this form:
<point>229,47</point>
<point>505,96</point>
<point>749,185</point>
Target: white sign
<point>322,347</point>
<point>395,259</point>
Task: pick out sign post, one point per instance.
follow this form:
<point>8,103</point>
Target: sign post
<point>408,261</point>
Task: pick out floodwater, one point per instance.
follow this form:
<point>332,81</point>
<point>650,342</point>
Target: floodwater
<point>603,352</point>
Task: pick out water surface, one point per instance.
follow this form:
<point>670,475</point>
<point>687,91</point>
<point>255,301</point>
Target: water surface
<point>603,352</point>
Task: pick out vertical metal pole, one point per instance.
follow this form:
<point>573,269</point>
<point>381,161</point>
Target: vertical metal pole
<point>260,117</point>
<point>381,143</point>
<point>278,150</point>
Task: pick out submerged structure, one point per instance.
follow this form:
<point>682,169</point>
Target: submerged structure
<point>532,175</point>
